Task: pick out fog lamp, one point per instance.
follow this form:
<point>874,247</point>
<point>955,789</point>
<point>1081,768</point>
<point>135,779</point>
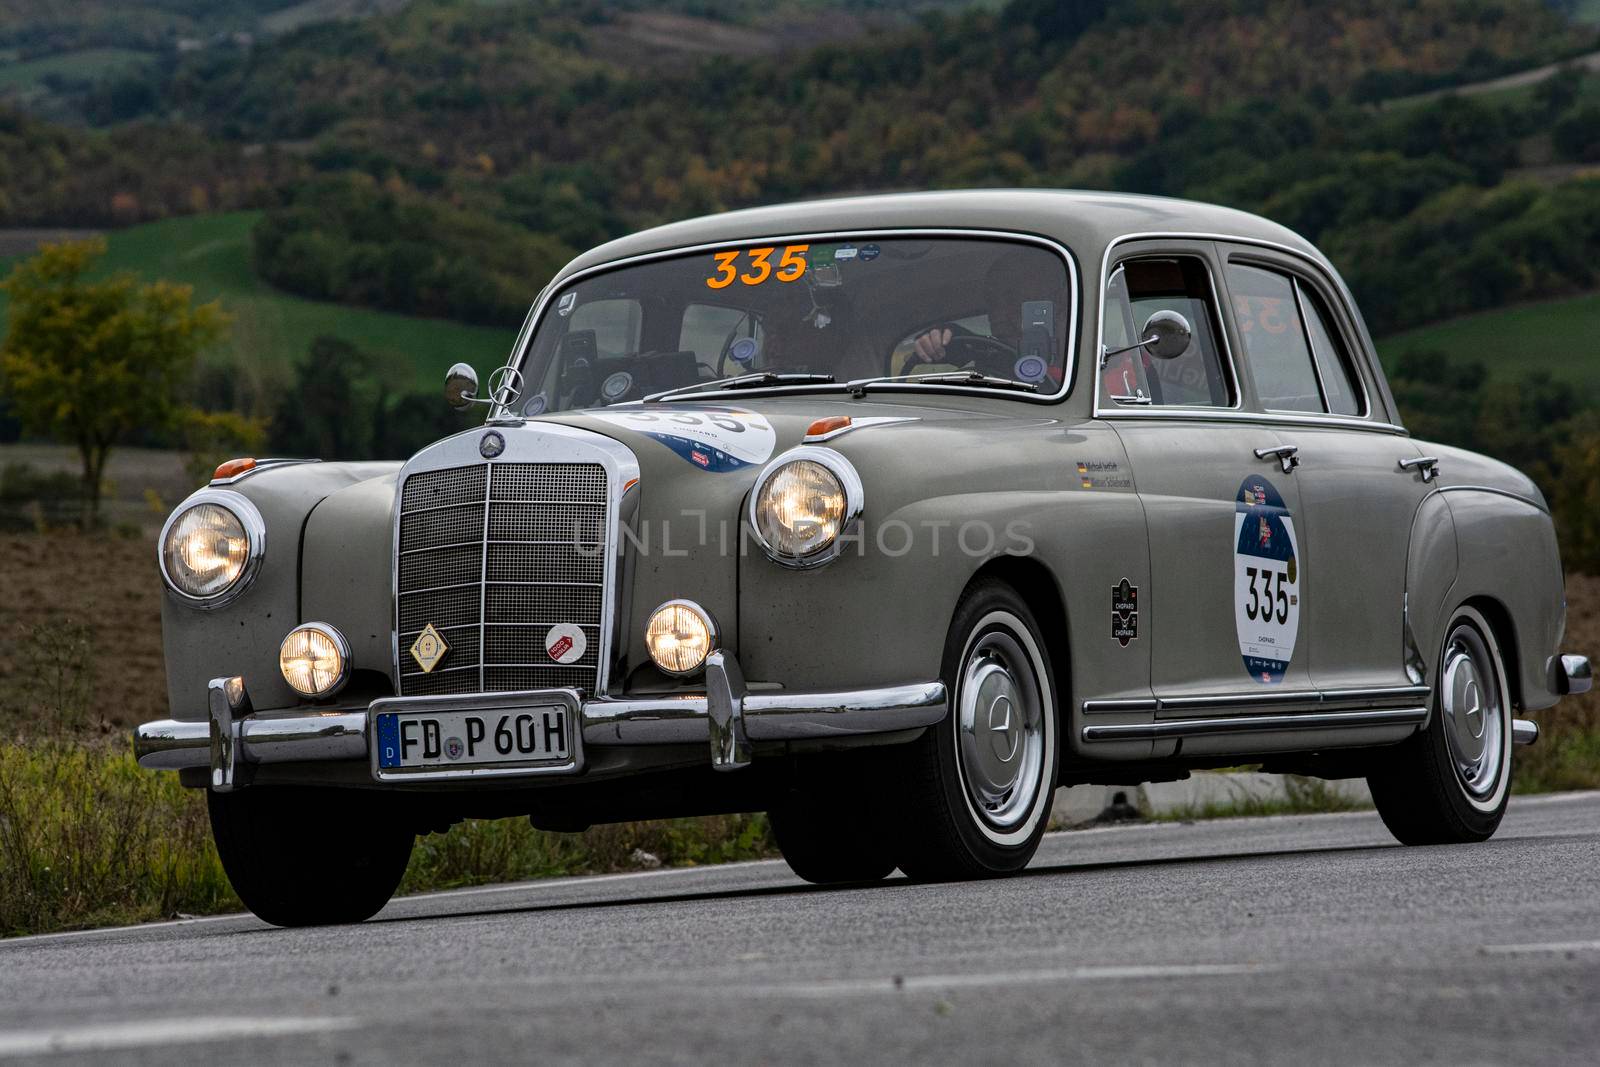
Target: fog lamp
<point>315,660</point>
<point>680,635</point>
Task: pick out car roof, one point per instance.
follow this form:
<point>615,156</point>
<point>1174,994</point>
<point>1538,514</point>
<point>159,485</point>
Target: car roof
<point>1083,221</point>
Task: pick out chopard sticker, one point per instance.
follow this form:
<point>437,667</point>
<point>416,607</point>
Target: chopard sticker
<point>565,305</point>
<point>1124,613</point>
<point>565,643</point>
<point>713,439</point>
<point>1266,580</point>
<point>1102,474</point>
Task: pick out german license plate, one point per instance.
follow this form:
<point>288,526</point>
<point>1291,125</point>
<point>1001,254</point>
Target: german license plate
<point>445,741</point>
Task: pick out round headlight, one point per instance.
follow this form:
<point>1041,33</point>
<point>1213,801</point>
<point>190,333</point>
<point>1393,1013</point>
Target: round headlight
<point>314,659</point>
<point>680,635</point>
<point>801,504</point>
<point>209,548</point>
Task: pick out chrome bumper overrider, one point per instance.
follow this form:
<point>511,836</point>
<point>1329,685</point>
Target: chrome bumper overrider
<point>727,718</point>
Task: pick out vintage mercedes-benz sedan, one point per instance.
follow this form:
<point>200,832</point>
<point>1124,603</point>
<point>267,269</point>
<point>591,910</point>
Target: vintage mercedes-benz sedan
<point>901,511</point>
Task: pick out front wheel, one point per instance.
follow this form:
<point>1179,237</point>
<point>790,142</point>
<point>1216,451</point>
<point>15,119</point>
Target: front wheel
<point>980,785</point>
<point>1449,783</point>
<point>309,857</point>
<point>829,825</point>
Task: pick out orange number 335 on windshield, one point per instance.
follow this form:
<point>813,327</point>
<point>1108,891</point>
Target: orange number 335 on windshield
<point>758,266</point>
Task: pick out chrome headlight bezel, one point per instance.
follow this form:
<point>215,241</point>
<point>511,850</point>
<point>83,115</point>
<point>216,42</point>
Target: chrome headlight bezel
<point>255,531</point>
<point>854,504</point>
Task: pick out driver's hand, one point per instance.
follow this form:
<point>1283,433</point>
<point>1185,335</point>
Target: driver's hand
<point>929,348</point>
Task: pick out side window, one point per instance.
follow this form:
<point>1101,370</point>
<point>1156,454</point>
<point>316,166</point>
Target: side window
<point>1294,356</point>
<point>1276,346</point>
<point>616,325</point>
<point>1339,380</point>
<point>1137,289</point>
<point>726,339</point>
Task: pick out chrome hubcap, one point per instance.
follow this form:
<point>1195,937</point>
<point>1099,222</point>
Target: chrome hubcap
<point>1001,730</point>
<point>1474,721</point>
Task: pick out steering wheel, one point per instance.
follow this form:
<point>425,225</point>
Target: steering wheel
<point>988,355</point>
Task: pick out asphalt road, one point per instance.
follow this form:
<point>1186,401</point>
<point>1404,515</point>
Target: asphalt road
<point>1313,939</point>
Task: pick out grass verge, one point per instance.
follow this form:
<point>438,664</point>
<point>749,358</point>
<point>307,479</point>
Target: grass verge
<point>87,838</point>
<point>1301,796</point>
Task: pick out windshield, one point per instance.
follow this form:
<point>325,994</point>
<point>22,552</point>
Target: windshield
<point>845,309</point>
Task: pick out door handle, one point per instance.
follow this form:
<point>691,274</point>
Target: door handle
<point>1288,456</point>
<point>1427,466</point>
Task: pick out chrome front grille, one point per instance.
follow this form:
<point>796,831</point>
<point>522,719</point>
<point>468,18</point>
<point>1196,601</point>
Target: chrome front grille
<point>493,556</point>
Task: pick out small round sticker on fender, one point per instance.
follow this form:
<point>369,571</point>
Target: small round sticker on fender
<point>565,643</point>
<point>1267,579</point>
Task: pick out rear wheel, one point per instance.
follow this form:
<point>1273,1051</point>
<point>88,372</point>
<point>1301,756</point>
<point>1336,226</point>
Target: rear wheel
<point>979,785</point>
<point>1450,782</point>
<point>309,857</point>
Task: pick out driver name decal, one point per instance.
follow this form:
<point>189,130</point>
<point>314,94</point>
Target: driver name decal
<point>712,439</point>
<point>1266,580</point>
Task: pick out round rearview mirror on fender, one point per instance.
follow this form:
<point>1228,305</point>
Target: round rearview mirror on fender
<point>1166,335</point>
<point>461,386</point>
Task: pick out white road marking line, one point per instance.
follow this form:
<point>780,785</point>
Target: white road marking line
<point>592,879</point>
<point>484,890</point>
<point>1546,946</point>
<point>155,1033</point>
<point>920,982</point>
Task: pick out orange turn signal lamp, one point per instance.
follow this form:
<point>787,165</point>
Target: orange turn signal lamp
<point>233,468</point>
<point>828,425</point>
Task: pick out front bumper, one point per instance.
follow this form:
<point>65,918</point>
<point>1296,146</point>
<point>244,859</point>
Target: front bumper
<point>727,718</point>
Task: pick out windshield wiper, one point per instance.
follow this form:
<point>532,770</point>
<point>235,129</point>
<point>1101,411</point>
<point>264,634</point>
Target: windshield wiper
<point>960,377</point>
<point>742,381</point>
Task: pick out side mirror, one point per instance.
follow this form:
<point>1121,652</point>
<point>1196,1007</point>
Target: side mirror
<point>1167,335</point>
<point>461,387</point>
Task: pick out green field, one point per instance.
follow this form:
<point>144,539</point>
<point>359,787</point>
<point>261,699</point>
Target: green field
<point>85,65</point>
<point>272,329</point>
<point>1560,336</point>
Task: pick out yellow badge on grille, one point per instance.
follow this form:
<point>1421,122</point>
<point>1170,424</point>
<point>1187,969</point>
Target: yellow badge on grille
<point>429,648</point>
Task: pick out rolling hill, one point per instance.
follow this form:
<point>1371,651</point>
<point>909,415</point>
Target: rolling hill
<point>1559,336</point>
<point>271,329</point>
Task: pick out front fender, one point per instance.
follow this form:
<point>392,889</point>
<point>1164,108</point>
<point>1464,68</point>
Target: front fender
<point>242,637</point>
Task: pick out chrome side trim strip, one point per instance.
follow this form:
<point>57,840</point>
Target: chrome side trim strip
<point>1132,704</point>
<point>1375,694</point>
<point>1238,700</point>
<point>1492,489</point>
<point>261,465</point>
<point>857,424</point>
<point>1524,731</point>
<point>1247,724</point>
<point>1395,692</point>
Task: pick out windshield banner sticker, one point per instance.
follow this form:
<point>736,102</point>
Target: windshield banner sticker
<point>1266,580</point>
<point>713,439</point>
